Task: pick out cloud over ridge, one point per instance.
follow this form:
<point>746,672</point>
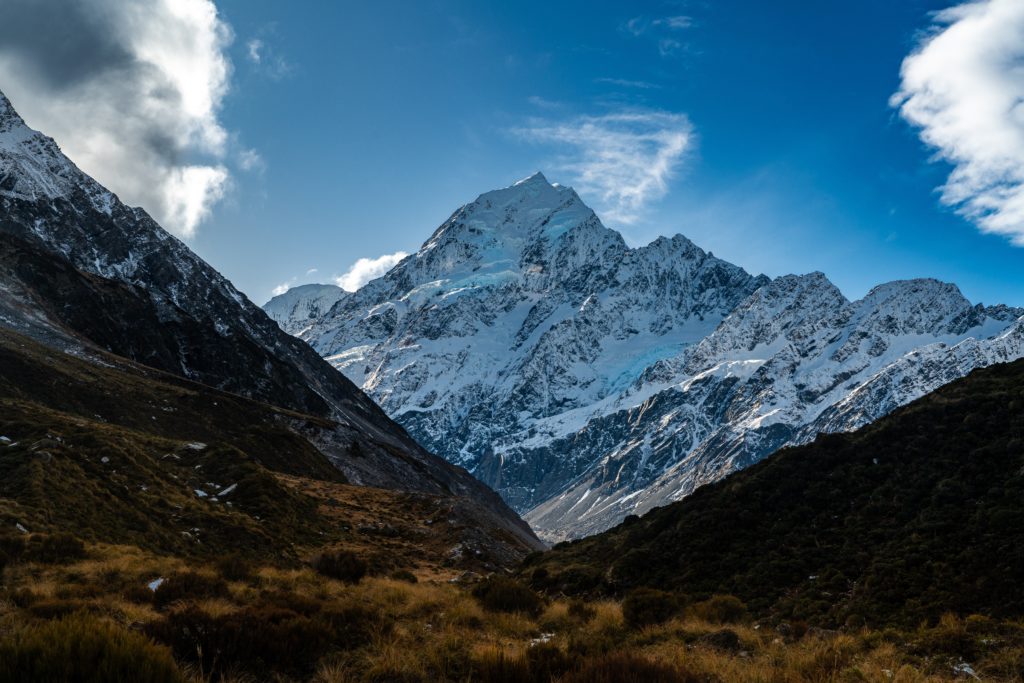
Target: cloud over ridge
<point>963,87</point>
<point>623,159</point>
<point>131,90</point>
<point>366,269</point>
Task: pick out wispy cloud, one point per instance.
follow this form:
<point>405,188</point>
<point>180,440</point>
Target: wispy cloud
<point>626,83</point>
<point>676,23</point>
<point>638,26</point>
<point>251,160</point>
<point>366,269</point>
<point>294,281</point>
<point>132,90</point>
<point>543,103</point>
<point>964,88</point>
<point>624,159</point>
<point>283,287</point>
<point>266,59</point>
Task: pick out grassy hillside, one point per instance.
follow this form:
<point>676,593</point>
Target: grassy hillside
<point>919,514</point>
<point>113,452</point>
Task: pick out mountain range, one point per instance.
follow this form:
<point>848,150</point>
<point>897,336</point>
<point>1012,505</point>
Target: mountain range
<point>88,277</point>
<point>586,380</point>
<point>899,522</point>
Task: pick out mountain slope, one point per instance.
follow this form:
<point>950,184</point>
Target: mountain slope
<point>80,269</point>
<point>115,452</point>
<point>585,380</point>
<point>905,519</point>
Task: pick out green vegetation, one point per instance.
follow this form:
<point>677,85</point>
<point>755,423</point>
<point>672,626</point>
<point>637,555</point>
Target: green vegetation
<point>912,517</point>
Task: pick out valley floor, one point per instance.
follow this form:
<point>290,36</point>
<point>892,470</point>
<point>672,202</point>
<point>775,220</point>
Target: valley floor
<point>121,613</point>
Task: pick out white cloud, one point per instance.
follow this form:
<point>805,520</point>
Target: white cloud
<point>131,90</point>
<point>283,287</point>
<point>255,49</point>
<point>676,23</point>
<point>542,103</point>
<point>366,269</point>
<point>261,52</point>
<point>251,160</point>
<point>964,88</point>
<point>626,83</point>
<point>638,26</point>
<point>624,159</point>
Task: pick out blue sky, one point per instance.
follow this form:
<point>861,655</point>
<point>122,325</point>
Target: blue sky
<point>354,129</point>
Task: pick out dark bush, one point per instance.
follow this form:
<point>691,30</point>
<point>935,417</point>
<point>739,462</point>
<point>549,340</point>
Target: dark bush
<point>726,640</point>
<point>257,640</point>
<point>234,567</point>
<point>542,663</point>
<point>342,565</point>
<point>502,594</point>
<point>648,606</point>
<point>623,667</point>
<point>189,586</point>
<point>265,638</point>
<point>353,626</point>
<point>721,609</point>
<point>54,549</point>
<point>23,597</point>
<point>578,609</point>
<point>12,547</point>
<point>404,575</point>
<point>85,650</point>
<point>295,602</point>
<point>54,608</point>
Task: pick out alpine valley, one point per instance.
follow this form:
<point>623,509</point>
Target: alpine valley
<point>585,380</point>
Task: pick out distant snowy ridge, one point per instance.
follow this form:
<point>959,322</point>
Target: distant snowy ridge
<point>585,380</point>
<point>299,307</point>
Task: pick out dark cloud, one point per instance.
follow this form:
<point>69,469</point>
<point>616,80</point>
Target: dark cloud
<point>131,89</point>
<point>61,42</point>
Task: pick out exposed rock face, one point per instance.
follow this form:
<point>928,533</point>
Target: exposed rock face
<point>78,264</point>
<point>585,380</point>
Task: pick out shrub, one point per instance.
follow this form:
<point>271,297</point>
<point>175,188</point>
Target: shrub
<point>578,609</point>
<point>54,549</point>
<point>502,594</point>
<point>721,609</point>
<point>499,667</point>
<point>541,663</point>
<point>725,639</point>
<point>342,565</point>
<point>252,639</point>
<point>189,586</point>
<point>264,637</point>
<point>404,575</point>
<point>648,606</point>
<point>234,567</point>
<point>85,650</point>
<point>13,547</point>
<point>11,550</point>
<point>54,608</point>
<point>623,667</point>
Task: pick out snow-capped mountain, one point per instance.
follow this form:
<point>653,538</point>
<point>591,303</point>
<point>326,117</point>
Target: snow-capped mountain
<point>586,380</point>
<point>78,268</point>
<point>301,306</point>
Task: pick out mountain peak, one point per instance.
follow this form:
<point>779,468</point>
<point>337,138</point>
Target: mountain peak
<point>12,127</point>
<point>536,179</point>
